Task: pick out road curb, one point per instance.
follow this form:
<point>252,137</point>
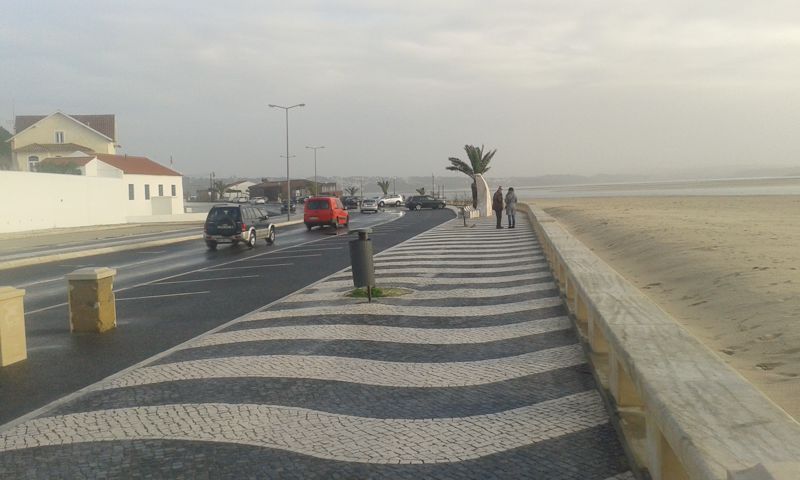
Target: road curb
<point>24,262</point>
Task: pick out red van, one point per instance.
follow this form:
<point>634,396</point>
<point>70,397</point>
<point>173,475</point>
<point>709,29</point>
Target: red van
<point>320,211</point>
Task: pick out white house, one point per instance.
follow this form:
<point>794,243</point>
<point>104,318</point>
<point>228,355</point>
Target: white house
<point>150,188</point>
<point>237,189</point>
<point>57,135</point>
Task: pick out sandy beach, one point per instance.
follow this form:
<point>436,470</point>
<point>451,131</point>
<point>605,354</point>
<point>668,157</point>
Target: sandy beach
<point>727,268</point>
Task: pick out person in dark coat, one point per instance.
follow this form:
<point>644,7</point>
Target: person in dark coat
<point>497,206</point>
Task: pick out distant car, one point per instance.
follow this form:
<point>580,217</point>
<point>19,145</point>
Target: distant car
<point>234,223</point>
<point>321,211</point>
<point>292,206</point>
<point>369,205</point>
<point>258,200</point>
<point>242,200</point>
<point>392,200</point>
<point>350,202</point>
<point>418,202</point>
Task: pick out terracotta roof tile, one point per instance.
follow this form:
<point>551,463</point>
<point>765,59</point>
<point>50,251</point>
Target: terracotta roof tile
<point>105,124</point>
<point>136,165</point>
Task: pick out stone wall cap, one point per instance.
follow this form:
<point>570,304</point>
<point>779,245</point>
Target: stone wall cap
<point>7,293</point>
<point>91,273</point>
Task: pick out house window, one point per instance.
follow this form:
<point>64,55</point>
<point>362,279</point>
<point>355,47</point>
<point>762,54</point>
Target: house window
<point>59,137</point>
<point>161,190</point>
<point>147,192</point>
<point>33,163</point>
<point>130,191</point>
<point>174,193</point>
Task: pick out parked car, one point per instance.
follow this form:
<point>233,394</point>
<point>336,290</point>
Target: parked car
<point>234,223</point>
<point>424,201</point>
<point>258,200</point>
<point>242,200</point>
<point>321,211</point>
<point>350,202</point>
<point>369,205</point>
<point>392,200</point>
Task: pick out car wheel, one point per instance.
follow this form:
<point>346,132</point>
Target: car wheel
<point>271,236</point>
<point>211,245</point>
<point>308,226</point>
<point>397,204</point>
<point>380,204</point>
<point>418,207</point>
<point>251,242</point>
<point>234,243</point>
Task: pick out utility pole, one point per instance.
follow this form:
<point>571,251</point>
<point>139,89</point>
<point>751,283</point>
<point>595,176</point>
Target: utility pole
<point>288,180</point>
<point>433,185</point>
<point>394,188</point>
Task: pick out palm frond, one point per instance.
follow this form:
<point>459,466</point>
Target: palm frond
<point>458,165</point>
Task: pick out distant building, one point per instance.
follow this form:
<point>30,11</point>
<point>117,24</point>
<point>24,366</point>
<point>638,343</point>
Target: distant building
<point>58,135</point>
<point>271,190</point>
<point>237,189</point>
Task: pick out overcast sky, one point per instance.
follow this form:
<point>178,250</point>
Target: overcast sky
<point>396,87</point>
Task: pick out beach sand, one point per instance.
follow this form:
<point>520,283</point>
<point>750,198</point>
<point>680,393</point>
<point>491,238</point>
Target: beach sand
<point>727,268</point>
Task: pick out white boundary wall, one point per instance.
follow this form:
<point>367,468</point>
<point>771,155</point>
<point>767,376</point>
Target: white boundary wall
<point>33,201</point>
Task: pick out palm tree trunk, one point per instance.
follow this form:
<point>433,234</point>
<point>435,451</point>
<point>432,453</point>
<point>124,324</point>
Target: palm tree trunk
<point>474,194</point>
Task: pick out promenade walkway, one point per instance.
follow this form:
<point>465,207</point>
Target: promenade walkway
<point>476,373</point>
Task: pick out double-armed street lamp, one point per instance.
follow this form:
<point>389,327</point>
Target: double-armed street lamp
<point>288,179</point>
<point>316,185</point>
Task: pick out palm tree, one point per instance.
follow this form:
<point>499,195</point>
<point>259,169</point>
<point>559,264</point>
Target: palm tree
<point>478,164</point>
<point>384,184</point>
<point>351,191</point>
<point>421,191</point>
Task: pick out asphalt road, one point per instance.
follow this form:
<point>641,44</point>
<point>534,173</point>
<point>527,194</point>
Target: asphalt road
<point>167,295</point>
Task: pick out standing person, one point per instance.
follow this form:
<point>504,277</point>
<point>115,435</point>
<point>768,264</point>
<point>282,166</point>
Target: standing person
<point>497,206</point>
<point>511,207</point>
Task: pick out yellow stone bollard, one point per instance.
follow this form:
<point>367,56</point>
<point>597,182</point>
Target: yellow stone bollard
<point>13,347</point>
<point>91,300</point>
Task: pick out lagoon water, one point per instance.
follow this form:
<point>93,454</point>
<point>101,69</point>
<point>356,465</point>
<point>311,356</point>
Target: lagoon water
<point>715,187</point>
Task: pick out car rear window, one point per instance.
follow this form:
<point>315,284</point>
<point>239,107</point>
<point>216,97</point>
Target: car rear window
<point>318,205</point>
<point>218,213</point>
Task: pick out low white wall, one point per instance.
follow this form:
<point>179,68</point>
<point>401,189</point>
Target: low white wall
<point>34,201</point>
<point>181,217</point>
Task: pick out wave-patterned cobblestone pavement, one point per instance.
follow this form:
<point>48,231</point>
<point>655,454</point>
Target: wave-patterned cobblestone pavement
<point>476,373</point>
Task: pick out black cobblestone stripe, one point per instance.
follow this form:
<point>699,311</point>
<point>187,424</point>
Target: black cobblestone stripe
<point>467,275</point>
<point>344,398</point>
<point>467,283</point>
<point>591,454</point>
<point>385,351</point>
<point>405,321</point>
<point>433,302</point>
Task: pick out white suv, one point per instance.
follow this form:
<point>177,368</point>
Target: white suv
<point>391,200</point>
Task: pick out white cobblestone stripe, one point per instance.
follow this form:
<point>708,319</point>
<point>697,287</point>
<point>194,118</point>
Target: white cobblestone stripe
<point>445,263</point>
<point>518,247</point>
<point>623,476</point>
<point>455,252</point>
<point>321,434</point>
<point>387,279</point>
<point>442,336</point>
<point>325,293</point>
<point>407,310</point>
<point>357,370</point>
<point>469,241</point>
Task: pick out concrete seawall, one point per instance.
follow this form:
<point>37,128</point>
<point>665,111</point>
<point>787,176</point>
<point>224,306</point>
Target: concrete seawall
<point>684,412</point>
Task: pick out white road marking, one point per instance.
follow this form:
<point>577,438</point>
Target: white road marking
<point>262,265</point>
<point>163,296</point>
<point>207,279</point>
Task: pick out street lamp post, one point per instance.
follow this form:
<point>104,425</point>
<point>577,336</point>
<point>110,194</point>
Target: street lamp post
<point>288,178</point>
<point>316,185</point>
